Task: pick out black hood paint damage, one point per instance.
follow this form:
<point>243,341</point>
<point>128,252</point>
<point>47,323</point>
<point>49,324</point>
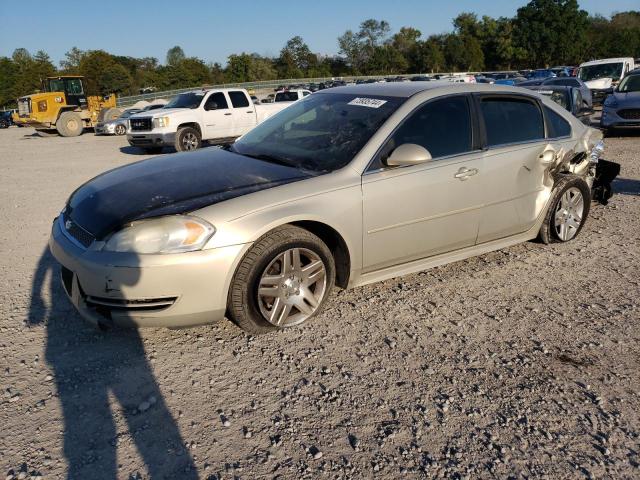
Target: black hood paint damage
<point>169,185</point>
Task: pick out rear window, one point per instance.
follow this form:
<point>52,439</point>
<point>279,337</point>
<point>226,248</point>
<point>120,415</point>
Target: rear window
<point>511,120</point>
<point>286,96</point>
<point>238,99</point>
<point>556,125</point>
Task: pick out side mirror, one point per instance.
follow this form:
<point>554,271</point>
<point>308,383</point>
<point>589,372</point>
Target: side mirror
<point>408,154</point>
<point>211,106</point>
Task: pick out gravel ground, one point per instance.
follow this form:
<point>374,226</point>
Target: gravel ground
<point>522,363</point>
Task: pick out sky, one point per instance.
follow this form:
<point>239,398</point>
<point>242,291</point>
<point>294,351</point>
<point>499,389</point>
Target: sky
<point>212,30</point>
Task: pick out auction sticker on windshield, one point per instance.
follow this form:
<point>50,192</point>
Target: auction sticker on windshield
<point>367,102</point>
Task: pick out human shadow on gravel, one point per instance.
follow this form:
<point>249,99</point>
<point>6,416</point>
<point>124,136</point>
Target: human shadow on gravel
<point>90,366</point>
<point>626,186</point>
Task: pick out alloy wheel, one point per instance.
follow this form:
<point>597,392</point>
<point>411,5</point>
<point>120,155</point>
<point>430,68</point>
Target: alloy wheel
<point>190,141</point>
<point>568,214</point>
<point>292,287</point>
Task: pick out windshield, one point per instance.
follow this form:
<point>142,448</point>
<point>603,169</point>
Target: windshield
<point>630,83</point>
<point>603,70</point>
<point>323,132</point>
<point>186,100</point>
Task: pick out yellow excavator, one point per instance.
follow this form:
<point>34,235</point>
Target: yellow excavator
<point>65,107</point>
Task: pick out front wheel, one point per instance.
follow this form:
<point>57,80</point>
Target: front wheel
<point>282,281</point>
<point>568,210</point>
<point>120,129</point>
<point>188,138</point>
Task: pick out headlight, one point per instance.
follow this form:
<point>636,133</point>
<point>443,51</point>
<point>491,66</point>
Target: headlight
<point>610,101</point>
<point>160,122</point>
<point>597,151</point>
<point>171,234</point>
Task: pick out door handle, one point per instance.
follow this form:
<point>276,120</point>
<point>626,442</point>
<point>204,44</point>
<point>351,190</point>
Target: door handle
<point>465,173</point>
<point>226,114</point>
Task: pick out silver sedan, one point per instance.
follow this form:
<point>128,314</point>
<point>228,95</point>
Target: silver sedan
<point>116,126</point>
<point>347,187</point>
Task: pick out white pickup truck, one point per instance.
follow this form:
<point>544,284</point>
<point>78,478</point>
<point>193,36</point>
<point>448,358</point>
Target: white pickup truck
<point>217,116</point>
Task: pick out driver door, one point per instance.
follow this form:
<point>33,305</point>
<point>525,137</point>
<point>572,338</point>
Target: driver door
<point>217,117</point>
<point>416,211</point>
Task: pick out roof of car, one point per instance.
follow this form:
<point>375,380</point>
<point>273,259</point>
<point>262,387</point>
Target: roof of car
<point>606,60</point>
<point>409,89</point>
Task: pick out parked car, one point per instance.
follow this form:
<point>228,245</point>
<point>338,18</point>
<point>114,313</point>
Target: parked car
<point>569,98</point>
<point>5,119</point>
<point>622,107</point>
<point>562,71</point>
<point>420,78</point>
<point>572,82</point>
<point>541,73</point>
<point>117,126</point>
<point>601,76</point>
<point>350,186</point>
<point>291,95</point>
<point>510,79</point>
<point>217,116</point>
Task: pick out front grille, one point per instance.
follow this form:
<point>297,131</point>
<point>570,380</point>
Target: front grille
<point>629,113</point>
<point>24,107</point>
<point>77,232</point>
<point>147,304</point>
<point>140,124</point>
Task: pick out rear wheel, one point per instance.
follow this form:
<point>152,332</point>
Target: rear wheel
<point>568,210</point>
<point>4,124</point>
<point>109,114</point>
<point>188,138</point>
<point>70,124</point>
<point>283,281</point>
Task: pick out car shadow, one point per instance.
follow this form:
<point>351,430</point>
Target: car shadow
<point>626,186</point>
<point>89,368</point>
<point>130,150</point>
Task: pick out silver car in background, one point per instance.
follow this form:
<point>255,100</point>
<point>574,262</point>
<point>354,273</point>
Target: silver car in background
<point>116,126</point>
<point>346,187</point>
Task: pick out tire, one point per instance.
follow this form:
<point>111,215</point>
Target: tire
<point>108,114</point>
<point>294,295</point>
<point>4,124</point>
<point>187,139</point>
<point>569,216</point>
<point>120,129</point>
<point>70,124</point>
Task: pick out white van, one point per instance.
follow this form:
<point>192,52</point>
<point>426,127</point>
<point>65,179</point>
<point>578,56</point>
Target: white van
<point>601,75</point>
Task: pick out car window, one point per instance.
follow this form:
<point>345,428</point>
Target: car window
<point>286,96</point>
<point>511,120</point>
<point>219,99</point>
<point>441,126</point>
<point>556,125</point>
<point>304,94</point>
<point>238,99</point>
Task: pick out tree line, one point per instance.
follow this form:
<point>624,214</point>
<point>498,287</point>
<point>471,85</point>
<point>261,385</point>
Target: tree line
<point>542,33</point>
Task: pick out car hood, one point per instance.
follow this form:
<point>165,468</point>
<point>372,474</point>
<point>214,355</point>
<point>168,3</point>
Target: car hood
<point>627,99</point>
<point>599,84</point>
<point>159,112</point>
<point>170,185</point>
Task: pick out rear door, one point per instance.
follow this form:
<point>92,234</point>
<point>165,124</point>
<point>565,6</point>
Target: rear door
<point>416,211</point>
<point>515,184</point>
<point>217,117</point>
<point>243,112</point>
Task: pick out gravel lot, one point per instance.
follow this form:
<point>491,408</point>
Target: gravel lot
<point>522,363</point>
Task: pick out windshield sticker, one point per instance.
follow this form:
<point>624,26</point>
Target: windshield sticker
<point>367,102</point>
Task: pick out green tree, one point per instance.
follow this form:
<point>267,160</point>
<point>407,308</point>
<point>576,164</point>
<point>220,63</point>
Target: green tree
<point>175,55</point>
<point>115,79</point>
<point>72,59</point>
<point>551,31</point>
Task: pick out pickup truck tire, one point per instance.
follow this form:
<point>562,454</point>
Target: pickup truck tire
<point>70,124</point>
<point>188,138</point>
<point>282,281</point>
<point>568,210</point>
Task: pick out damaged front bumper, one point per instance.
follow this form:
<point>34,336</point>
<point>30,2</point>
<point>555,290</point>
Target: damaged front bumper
<point>174,290</point>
